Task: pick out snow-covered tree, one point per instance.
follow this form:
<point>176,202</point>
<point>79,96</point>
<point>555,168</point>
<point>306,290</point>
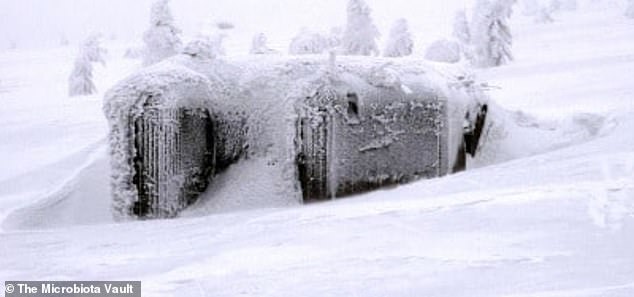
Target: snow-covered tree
<point>360,35</point>
<point>205,47</point>
<point>259,45</point>
<point>399,42</point>
<point>445,51</point>
<point>491,37</point>
<point>462,35</point>
<point>307,43</point>
<point>80,80</point>
<point>461,30</point>
<point>162,39</point>
<point>629,12</point>
<point>335,37</point>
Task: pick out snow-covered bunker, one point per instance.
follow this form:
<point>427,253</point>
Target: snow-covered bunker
<point>334,128</point>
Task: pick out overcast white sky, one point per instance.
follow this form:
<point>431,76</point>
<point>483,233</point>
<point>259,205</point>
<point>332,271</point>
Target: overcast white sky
<point>42,23</point>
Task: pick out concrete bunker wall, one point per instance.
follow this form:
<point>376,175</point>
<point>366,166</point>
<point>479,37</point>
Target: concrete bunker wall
<point>350,137</point>
<point>174,157</point>
<point>354,142</point>
<point>175,151</point>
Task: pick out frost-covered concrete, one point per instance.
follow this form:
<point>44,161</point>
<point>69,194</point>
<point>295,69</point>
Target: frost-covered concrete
<point>407,124</point>
<point>553,217</point>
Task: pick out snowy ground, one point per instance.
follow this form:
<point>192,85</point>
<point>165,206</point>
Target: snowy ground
<point>551,215</point>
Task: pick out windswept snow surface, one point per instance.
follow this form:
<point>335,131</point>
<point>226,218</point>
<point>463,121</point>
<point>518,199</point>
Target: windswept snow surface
<point>548,212</point>
<point>46,136</point>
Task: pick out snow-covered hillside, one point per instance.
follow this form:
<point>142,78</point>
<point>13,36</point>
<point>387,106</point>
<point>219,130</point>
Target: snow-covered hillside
<point>547,209</point>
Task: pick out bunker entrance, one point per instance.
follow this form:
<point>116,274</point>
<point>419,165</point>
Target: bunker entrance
<point>313,161</point>
<point>346,148</point>
<point>173,160</point>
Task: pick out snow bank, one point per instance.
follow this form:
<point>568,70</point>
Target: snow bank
<point>84,198</point>
<point>512,135</point>
<point>526,222</point>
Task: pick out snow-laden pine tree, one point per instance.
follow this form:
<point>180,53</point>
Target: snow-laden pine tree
<point>259,45</point>
<point>399,42</point>
<point>443,50</point>
<point>308,43</point>
<point>461,31</point>
<point>80,81</point>
<point>334,37</point>
<point>491,37</point>
<point>162,39</point>
<point>360,35</point>
<point>461,34</point>
<point>204,47</point>
<point>629,12</point>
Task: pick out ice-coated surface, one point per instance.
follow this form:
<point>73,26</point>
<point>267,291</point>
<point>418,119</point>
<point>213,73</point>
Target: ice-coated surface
<point>413,104</point>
